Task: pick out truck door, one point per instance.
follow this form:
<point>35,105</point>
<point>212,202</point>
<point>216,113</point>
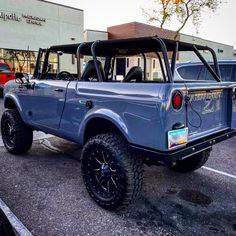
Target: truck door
<point>48,96</point>
<point>47,103</point>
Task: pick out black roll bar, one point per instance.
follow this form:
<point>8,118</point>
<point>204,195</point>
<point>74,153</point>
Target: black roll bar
<point>161,64</point>
<point>93,50</point>
<point>78,60</point>
<point>216,74</point>
<point>165,57</point>
<point>174,58</point>
<point>163,49</point>
<point>216,65</point>
<point>36,71</point>
<point>144,65</point>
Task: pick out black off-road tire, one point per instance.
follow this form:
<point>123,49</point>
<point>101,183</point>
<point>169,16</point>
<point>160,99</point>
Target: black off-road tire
<point>16,136</point>
<point>191,163</point>
<point>126,171</point>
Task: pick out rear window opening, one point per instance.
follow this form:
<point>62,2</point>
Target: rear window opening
<point>200,73</point>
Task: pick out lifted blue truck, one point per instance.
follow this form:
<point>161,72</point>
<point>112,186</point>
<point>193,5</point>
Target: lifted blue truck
<point>121,123</point>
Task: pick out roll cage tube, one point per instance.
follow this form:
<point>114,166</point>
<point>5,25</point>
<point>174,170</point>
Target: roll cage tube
<point>163,50</point>
<point>216,64</point>
<point>78,60</point>
<point>36,71</point>
<point>162,68</point>
<point>93,50</point>
<point>110,67</point>
<point>45,64</point>
<point>216,73</point>
<point>107,66</point>
<point>144,65</point>
<point>174,58</point>
<point>165,57</point>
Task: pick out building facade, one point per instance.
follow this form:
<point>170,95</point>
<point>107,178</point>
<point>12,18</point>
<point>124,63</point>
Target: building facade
<point>32,24</point>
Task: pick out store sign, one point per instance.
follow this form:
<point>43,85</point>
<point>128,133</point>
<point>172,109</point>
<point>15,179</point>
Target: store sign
<point>33,20</point>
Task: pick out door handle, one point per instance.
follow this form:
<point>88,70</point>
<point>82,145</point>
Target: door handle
<point>59,90</point>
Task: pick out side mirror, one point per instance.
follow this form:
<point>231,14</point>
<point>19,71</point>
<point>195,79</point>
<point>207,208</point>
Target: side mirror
<point>22,78</point>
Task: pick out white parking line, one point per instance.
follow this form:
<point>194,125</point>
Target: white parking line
<point>17,225</point>
<point>219,172</point>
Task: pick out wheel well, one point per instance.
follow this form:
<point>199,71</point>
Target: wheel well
<point>9,103</point>
<point>99,126</point>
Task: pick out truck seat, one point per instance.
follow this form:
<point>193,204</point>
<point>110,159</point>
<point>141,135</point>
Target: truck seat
<point>135,73</point>
<point>90,73</point>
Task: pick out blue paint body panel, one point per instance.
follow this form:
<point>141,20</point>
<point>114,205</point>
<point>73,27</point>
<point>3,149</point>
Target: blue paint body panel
<point>143,112</point>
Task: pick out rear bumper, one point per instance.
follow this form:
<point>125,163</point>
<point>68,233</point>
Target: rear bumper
<point>155,156</point>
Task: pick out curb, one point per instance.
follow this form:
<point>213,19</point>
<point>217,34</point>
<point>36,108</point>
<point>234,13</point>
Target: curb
<point>17,225</point>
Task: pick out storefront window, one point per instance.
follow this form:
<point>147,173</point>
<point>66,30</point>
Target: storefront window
<point>20,61</point>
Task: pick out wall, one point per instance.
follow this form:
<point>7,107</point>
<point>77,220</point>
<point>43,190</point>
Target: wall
<point>223,51</point>
<point>60,25</point>
<point>137,29</point>
<point>93,35</point>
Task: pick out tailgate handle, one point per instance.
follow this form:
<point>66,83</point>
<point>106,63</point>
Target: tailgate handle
<point>178,126</point>
<point>59,90</point>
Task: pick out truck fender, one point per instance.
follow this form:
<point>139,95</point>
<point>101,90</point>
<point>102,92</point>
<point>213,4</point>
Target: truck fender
<point>9,100</point>
<point>105,114</point>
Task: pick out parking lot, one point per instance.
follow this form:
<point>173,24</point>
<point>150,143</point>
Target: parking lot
<point>44,189</point>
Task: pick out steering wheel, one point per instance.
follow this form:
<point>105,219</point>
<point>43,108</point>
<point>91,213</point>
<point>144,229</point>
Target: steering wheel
<point>65,75</point>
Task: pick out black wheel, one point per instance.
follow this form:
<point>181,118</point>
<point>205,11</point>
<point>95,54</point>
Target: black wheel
<point>16,136</point>
<point>191,163</point>
<point>112,176</point>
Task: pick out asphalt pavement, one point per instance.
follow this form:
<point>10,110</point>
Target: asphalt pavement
<point>44,189</point>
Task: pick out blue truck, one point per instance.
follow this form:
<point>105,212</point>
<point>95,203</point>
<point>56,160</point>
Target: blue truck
<point>123,120</point>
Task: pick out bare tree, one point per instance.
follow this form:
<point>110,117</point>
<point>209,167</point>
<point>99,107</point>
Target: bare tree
<point>21,57</point>
<point>183,11</point>
<point>161,13</point>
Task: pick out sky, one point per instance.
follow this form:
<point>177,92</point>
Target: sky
<point>100,14</point>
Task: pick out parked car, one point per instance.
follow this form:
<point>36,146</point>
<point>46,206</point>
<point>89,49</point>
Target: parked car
<point>197,71</point>
<point>6,74</point>
<point>120,123</point>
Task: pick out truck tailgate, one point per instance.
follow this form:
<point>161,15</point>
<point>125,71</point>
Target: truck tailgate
<point>208,108</point>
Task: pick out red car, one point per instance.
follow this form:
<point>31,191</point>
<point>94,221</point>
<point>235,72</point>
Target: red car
<point>6,74</point>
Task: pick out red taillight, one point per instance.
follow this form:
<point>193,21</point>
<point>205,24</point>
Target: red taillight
<point>177,100</point>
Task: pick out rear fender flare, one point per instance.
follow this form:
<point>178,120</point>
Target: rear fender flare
<point>106,114</point>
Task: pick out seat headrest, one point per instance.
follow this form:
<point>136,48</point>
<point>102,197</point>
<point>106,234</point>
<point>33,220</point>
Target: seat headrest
<point>135,73</point>
<point>90,72</point>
